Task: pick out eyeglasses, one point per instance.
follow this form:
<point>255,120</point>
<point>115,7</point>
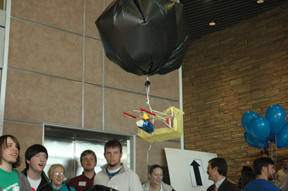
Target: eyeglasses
<point>57,173</point>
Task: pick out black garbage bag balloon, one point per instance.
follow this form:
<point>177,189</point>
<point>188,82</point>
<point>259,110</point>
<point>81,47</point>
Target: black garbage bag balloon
<point>99,188</point>
<point>144,37</point>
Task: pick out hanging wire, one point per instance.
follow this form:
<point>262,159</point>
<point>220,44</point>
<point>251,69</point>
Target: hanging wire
<point>148,153</point>
<point>262,147</point>
<point>147,85</point>
<point>276,153</point>
<point>271,151</point>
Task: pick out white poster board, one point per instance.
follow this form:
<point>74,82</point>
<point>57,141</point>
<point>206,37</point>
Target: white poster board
<point>187,169</point>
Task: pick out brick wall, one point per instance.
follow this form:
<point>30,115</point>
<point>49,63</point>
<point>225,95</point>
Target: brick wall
<point>225,74</point>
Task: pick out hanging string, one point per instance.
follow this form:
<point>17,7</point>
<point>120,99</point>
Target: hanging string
<point>147,85</point>
<point>262,147</point>
<point>271,151</point>
<point>276,153</point>
<point>148,153</point>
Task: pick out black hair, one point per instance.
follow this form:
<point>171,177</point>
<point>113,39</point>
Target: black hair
<point>261,162</point>
<point>32,151</point>
<point>154,167</point>
<point>246,169</point>
<point>264,152</point>
<point>221,164</point>
<point>247,177</point>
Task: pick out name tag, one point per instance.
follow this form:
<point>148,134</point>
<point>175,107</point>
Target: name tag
<point>82,183</point>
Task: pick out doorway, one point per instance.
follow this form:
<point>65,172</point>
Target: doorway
<point>65,145</point>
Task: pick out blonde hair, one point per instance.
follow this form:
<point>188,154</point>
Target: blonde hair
<point>51,169</point>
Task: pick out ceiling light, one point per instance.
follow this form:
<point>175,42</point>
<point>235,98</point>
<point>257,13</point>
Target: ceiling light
<point>212,23</point>
<point>260,1</point>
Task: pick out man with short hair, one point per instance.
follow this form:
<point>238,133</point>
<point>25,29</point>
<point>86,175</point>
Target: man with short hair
<point>264,169</point>
<point>88,161</point>
<point>217,171</point>
<point>11,179</point>
<point>114,174</point>
<point>282,175</point>
<point>36,158</point>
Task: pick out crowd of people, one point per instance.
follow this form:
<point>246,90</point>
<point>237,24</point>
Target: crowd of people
<point>260,178</point>
<point>116,176</point>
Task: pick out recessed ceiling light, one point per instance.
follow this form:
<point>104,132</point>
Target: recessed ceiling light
<point>212,23</point>
<point>260,1</point>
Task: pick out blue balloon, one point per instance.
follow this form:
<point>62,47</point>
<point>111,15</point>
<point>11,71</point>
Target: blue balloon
<point>282,137</point>
<point>246,119</point>
<point>271,137</point>
<point>260,128</point>
<point>276,115</point>
<point>254,142</point>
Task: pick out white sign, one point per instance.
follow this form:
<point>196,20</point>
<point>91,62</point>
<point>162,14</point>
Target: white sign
<point>197,172</point>
<point>187,169</point>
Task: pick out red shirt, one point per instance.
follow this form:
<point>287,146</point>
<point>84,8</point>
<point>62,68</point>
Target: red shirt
<point>81,182</point>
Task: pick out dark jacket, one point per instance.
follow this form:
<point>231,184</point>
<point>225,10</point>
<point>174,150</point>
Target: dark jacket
<point>226,186</point>
<point>44,184</point>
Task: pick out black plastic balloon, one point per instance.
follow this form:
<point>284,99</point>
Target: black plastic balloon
<point>144,37</point>
<point>99,188</point>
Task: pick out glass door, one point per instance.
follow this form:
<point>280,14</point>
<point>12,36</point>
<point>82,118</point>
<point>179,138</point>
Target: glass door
<point>65,145</point>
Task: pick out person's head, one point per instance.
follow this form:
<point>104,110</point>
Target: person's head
<point>9,150</point>
<point>88,160</point>
<point>217,167</point>
<point>56,174</point>
<point>113,144</point>
<point>264,166</point>
<point>36,157</point>
<point>246,169</point>
<point>284,161</point>
<point>247,177</point>
<point>155,174</point>
<point>113,154</point>
<point>264,153</point>
<point>99,187</point>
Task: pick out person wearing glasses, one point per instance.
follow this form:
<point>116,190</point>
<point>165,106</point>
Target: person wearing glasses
<point>56,174</point>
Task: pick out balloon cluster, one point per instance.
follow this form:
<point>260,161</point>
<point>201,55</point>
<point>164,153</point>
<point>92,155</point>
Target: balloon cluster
<point>273,127</point>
